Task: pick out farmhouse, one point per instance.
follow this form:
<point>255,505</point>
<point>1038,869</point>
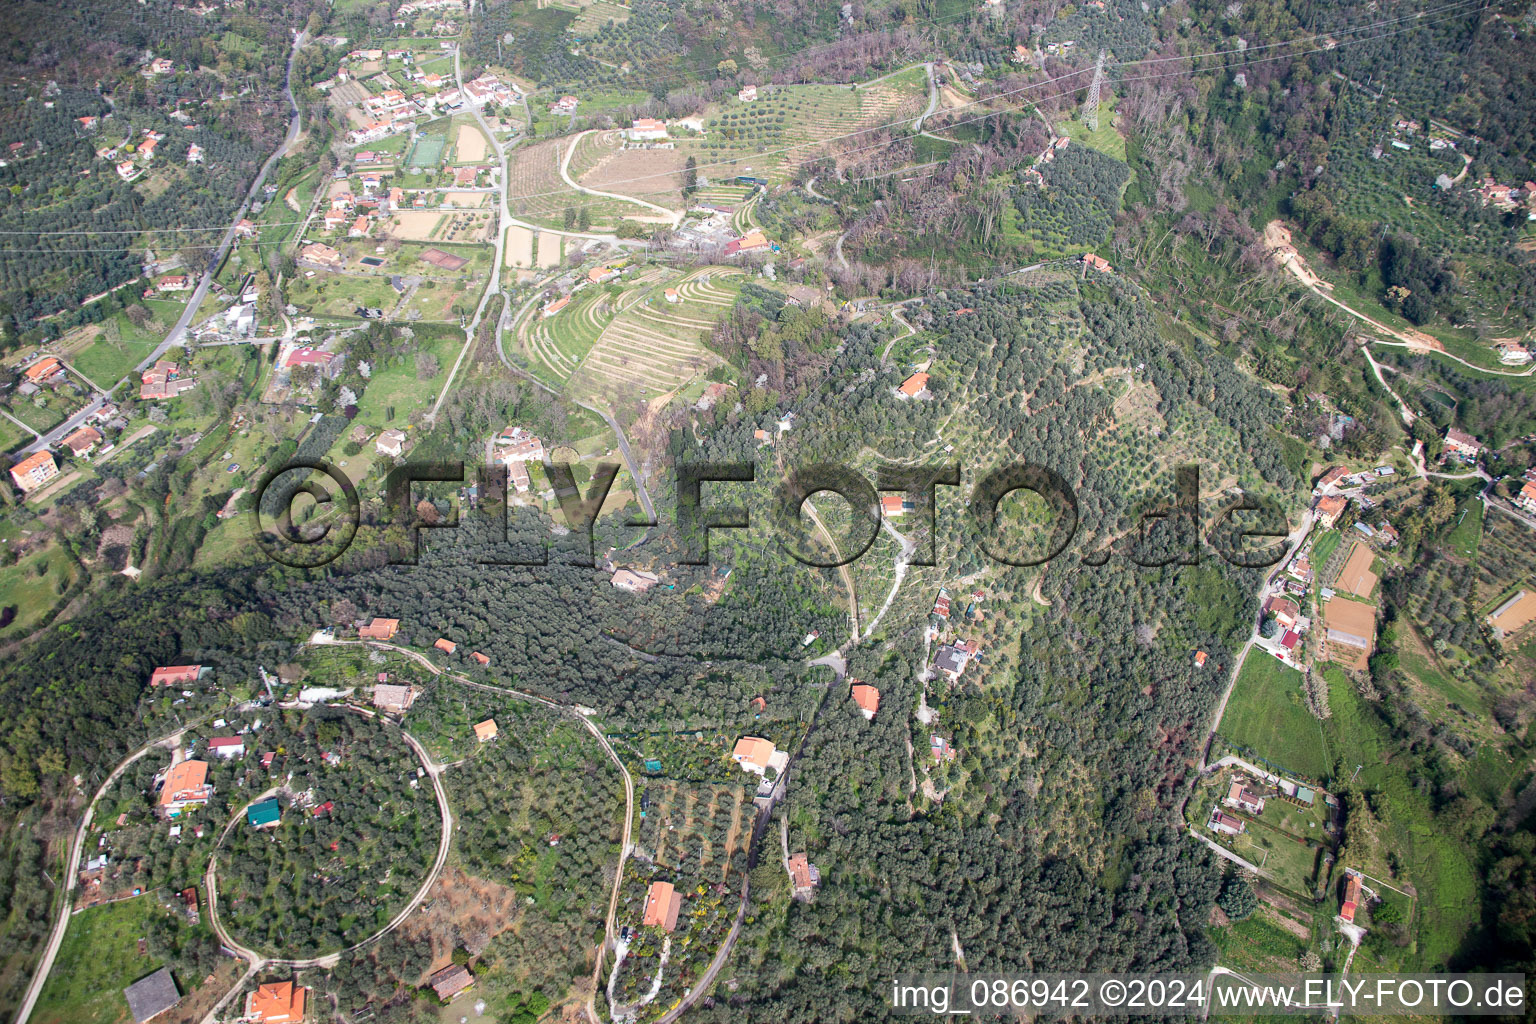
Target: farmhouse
<point>485,730</point>
<point>226,747</point>
<point>892,505</point>
<point>379,629</point>
<point>564,106</point>
<point>747,94</point>
<point>175,675</point>
<point>551,308</point>
<point>1332,477</point>
<point>445,645</point>
<point>1226,824</point>
<point>517,444</point>
<point>80,442</point>
<point>173,283</point>
<point>753,753</point>
<point>867,698</point>
<point>951,660</point>
<point>915,386</point>
<point>318,254</point>
<point>1099,263</point>
<point>1462,445</point>
<point>636,581</point>
<point>34,471</point>
<point>1329,508</point>
<point>1351,895</point>
<point>647,128</point>
<point>450,981</point>
<point>44,370</point>
<point>753,239</point>
<point>662,902</point>
<point>1243,798</point>
<point>276,1002</point>
<point>151,996</point>
<point>1350,629</point>
<point>186,785</point>
<point>391,443</point>
<point>803,874</point>
<point>1284,611</point>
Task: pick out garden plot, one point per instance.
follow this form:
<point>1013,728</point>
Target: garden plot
<point>413,225</point>
<point>465,200</point>
<point>550,249</point>
<point>469,145</point>
<point>694,826</point>
<point>791,124</point>
<point>519,252</point>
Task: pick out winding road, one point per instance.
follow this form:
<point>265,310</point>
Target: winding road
<point>72,871</point>
<point>206,281</point>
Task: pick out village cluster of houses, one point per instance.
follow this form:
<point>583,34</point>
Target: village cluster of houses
<point>390,111</point>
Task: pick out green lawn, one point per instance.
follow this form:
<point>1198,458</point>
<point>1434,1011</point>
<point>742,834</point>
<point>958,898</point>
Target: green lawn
<point>1267,714</point>
<point>11,435</point>
<point>1104,139</point>
<point>106,362</point>
<point>397,387</point>
<point>1468,532</point>
<point>1439,867</point>
<point>31,594</point>
<point>98,958</point>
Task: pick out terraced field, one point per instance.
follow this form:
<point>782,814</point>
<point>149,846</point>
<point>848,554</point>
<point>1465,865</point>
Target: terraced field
<point>536,192</point>
<point>648,343</point>
<point>560,343</point>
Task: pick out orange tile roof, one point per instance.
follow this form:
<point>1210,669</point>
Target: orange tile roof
<point>277,1002</point>
<point>482,659</point>
<point>866,697</point>
<point>753,750</point>
<point>379,629</point>
<point>913,384</point>
<point>662,903</point>
<point>43,369</point>
<point>486,730</point>
<point>185,781</point>
<point>446,646</point>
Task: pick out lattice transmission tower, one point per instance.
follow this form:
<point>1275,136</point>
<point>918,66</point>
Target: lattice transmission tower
<point>1091,104</point>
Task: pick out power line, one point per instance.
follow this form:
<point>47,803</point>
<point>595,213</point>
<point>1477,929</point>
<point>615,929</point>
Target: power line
<point>1458,7</point>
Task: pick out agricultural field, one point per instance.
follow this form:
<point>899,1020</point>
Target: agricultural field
<point>562,341</point>
<point>692,827</point>
<point>535,191</point>
<point>1267,716</point>
<point>469,143</point>
<point>656,346</point>
<point>790,124</point>
<point>108,352</point>
<point>1504,560</point>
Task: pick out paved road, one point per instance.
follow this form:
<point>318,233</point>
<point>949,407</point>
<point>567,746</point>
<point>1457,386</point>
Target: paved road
<point>66,905</point>
<point>206,281</point>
